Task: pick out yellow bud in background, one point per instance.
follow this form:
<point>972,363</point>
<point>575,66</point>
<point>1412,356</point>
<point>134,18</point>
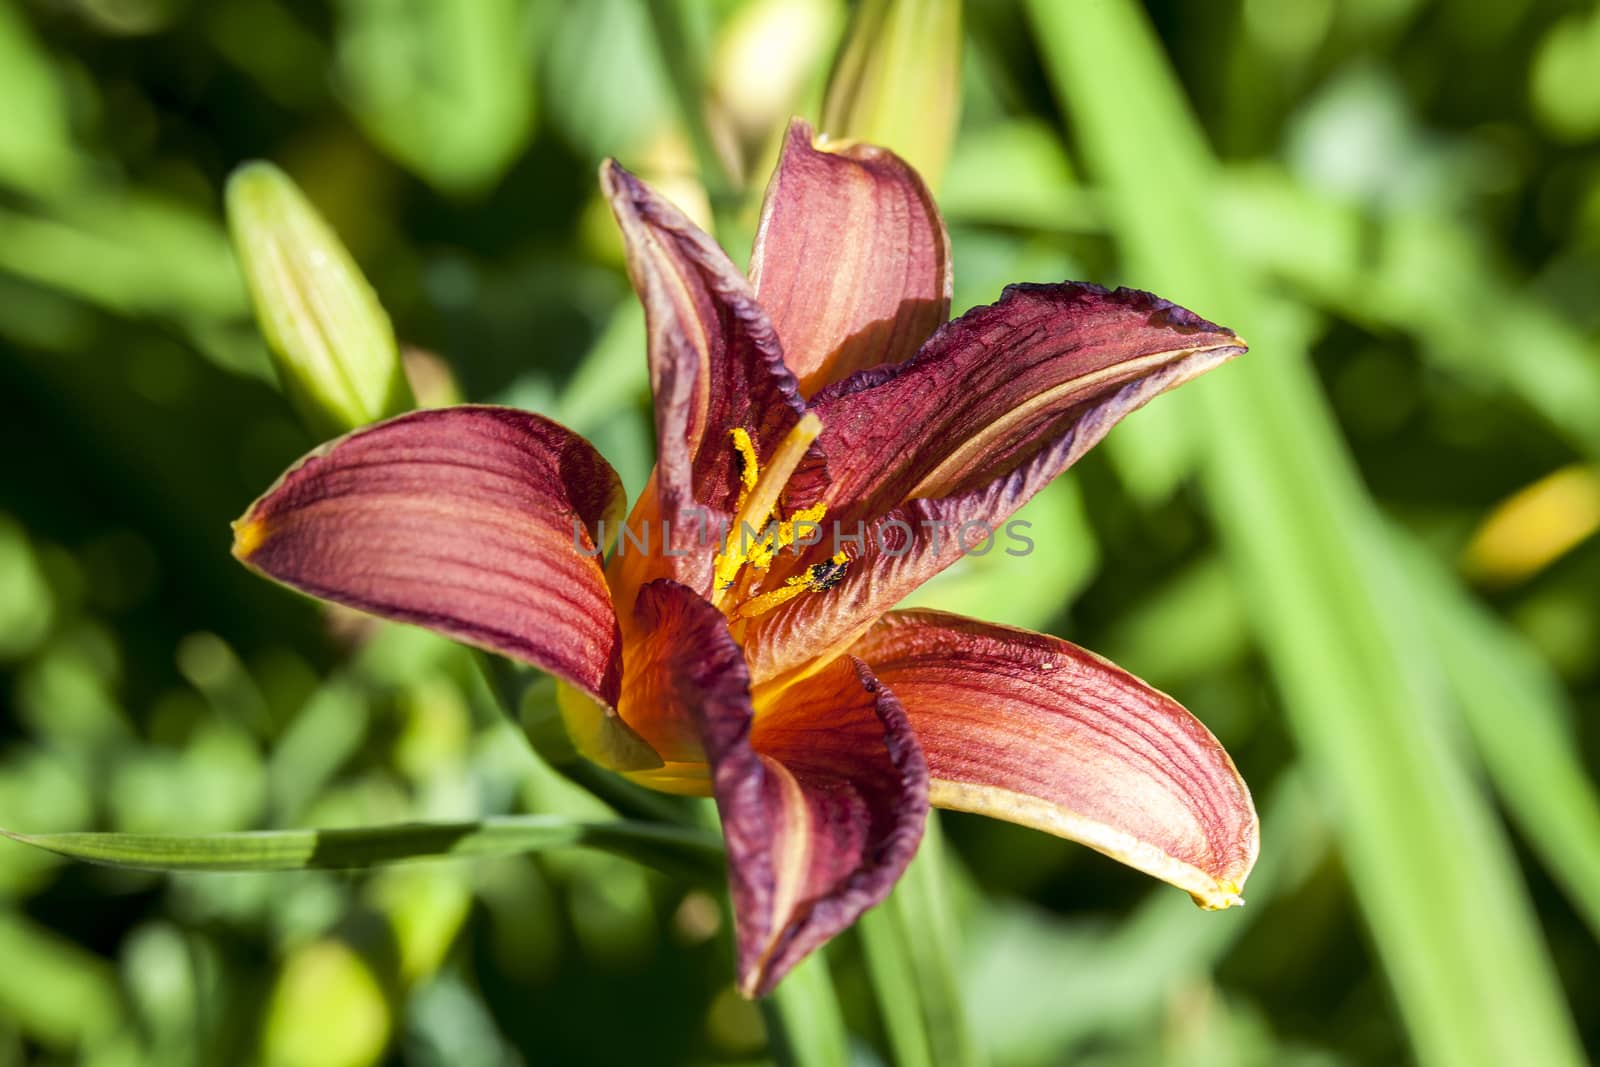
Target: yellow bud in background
<point>326,1010</point>
<point>897,81</point>
<point>766,63</point>
<point>1535,526</point>
<point>331,341</point>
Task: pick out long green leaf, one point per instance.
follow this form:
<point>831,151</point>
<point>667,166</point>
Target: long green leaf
<point>1042,987</point>
<point>676,850</point>
<point>1429,863</point>
<point>1520,718</point>
<point>1426,276</point>
<point>910,941</point>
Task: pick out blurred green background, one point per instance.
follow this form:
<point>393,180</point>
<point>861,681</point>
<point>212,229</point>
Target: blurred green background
<point>1363,555</point>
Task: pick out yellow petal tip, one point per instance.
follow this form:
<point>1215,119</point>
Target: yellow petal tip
<point>248,533</point>
<point>1224,896</point>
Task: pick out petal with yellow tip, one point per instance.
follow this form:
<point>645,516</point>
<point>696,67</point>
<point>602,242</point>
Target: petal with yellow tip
<point>477,522</point>
<point>1034,730</point>
<point>928,458</point>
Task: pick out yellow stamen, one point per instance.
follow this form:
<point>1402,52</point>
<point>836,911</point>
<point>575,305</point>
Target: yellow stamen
<point>749,464</point>
<point>761,496</point>
<point>781,535</point>
<point>818,578</point>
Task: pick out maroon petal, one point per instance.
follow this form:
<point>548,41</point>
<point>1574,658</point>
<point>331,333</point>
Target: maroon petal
<point>904,548</point>
<point>851,259</point>
<point>993,388</point>
<point>1029,728</point>
<point>823,795</point>
<point>477,522</point>
<point>715,362</point>
<point>678,655</point>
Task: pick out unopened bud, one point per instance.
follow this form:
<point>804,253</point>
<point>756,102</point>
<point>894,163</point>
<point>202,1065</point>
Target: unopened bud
<point>331,341</point>
<point>897,81</point>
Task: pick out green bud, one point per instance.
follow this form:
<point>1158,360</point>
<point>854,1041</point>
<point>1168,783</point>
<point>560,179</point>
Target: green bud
<point>897,81</point>
<point>331,341</point>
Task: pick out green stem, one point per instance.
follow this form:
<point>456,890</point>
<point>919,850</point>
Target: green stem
<point>527,700</point>
<point>805,1027</point>
<point>910,944</point>
<point>682,54</point>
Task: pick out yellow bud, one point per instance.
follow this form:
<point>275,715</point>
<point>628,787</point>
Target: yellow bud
<point>327,1010</point>
<point>331,341</point>
<point>897,81</point>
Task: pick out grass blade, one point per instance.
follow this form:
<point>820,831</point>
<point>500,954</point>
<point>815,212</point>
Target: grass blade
<point>910,942</point>
<point>1519,716</point>
<point>803,1017</point>
<point>1429,863</point>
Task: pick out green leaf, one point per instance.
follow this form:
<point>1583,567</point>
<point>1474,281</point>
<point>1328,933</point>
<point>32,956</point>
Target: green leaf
<point>55,989</point>
<point>1429,863</point>
<point>1532,753</point>
<point>676,850</point>
<point>1429,277</point>
<point>446,89</point>
<point>1041,986</point>
<point>37,153</point>
<point>803,1018</point>
<point>911,946</point>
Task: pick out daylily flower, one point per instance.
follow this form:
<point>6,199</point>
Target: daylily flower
<point>772,672</point>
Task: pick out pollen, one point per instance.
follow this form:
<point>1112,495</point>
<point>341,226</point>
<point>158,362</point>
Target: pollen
<point>751,545</point>
<point>758,496</point>
<point>744,454</point>
<point>818,578</point>
<point>780,535</point>
<point>824,576</point>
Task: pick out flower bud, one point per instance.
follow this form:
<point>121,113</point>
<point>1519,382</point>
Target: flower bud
<point>331,341</point>
<point>897,81</point>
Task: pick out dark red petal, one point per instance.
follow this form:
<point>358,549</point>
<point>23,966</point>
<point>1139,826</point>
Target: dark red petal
<point>1029,728</point>
<point>715,362</point>
<point>476,522</point>
<point>993,388</point>
<point>823,796</point>
<point>851,259</point>
<point>903,549</point>
<point>843,801</point>
<point>679,656</point>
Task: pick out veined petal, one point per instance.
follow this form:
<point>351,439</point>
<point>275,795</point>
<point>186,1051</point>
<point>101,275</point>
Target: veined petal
<point>1029,728</point>
<point>477,522</point>
<point>678,653</point>
<point>715,362</point>
<point>902,549</point>
<point>995,387</point>
<point>823,796</point>
<point>843,804</point>
<point>851,260</point>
